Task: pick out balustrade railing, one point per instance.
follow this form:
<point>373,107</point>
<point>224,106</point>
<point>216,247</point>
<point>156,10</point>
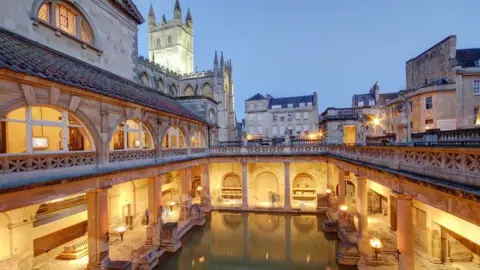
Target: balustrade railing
<point>37,162</point>
<point>174,152</point>
<point>458,137</point>
<point>129,155</point>
<point>229,144</point>
<point>198,150</point>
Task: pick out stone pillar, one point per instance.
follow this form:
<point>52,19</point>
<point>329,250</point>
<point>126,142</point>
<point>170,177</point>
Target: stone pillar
<point>244,186</point>
<point>287,195</point>
<point>405,232</point>
<point>98,246</point>
<point>341,186</point>
<point>205,200</point>
<point>393,213</point>
<point>155,209</point>
<point>362,207</point>
<point>434,241</point>
<point>185,194</point>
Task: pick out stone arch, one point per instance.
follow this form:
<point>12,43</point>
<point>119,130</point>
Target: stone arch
<point>232,221</point>
<point>84,120</point>
<point>231,180</point>
<point>145,79</point>
<point>146,126</point>
<point>198,139</point>
<point>188,91</point>
<point>207,90</point>
<point>264,185</point>
<point>95,39</point>
<point>267,223</point>
<point>303,180</point>
<point>172,90</point>
<point>304,224</point>
<point>350,189</point>
<point>160,85</point>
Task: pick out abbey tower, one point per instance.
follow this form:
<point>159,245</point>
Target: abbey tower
<point>170,43</point>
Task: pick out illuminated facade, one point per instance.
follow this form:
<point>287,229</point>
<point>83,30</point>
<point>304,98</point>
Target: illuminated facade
<point>100,168</point>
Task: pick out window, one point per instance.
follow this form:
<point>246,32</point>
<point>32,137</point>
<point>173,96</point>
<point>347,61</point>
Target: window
<point>42,129</point>
<point>371,102</point>
<point>290,105</point>
<point>173,138</point>
<point>305,120</point>
<point>290,131</point>
<point>360,103</point>
<point>131,134</point>
<point>309,104</point>
<point>305,115</point>
<point>276,106</point>
<point>476,118</point>
<point>429,122</point>
<point>260,130</point>
<point>274,118</point>
<point>251,106</point>
<point>302,104</point>
<point>275,131</point>
<point>428,103</point>
<point>67,19</point>
<point>282,118</point>
<point>298,130</point>
<point>282,131</point>
<point>411,106</point>
<point>476,87</point>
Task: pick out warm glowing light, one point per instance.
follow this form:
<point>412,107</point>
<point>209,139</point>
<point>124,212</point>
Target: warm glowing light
<point>267,256</point>
<point>137,143</point>
<point>308,258</point>
<point>375,243</point>
<point>171,204</point>
<point>249,137</point>
<point>201,259</point>
<point>328,191</point>
<point>343,208</point>
<point>121,229</point>
<point>312,136</point>
<point>320,134</point>
<point>376,121</point>
<point>199,188</point>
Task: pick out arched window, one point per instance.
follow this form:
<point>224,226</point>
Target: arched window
<point>131,134</point>
<point>42,129</point>
<point>160,85</point>
<point>173,138</point>
<point>207,90</point>
<point>145,80</point>
<point>189,91</point>
<point>65,17</point>
<point>198,140</point>
<point>172,91</point>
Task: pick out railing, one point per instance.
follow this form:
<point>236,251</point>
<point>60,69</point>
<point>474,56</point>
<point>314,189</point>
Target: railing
<point>198,150</point>
<point>174,152</point>
<point>305,142</point>
<point>129,155</point>
<point>229,144</point>
<point>28,163</point>
<point>458,138</point>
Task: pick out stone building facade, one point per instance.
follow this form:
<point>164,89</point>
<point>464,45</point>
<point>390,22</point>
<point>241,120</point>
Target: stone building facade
<point>269,117</point>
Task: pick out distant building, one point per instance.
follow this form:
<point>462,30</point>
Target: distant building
<point>269,117</point>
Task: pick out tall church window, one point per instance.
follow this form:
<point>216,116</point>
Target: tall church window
<point>169,39</point>
<point>145,80</point>
<point>207,90</point>
<point>189,91</point>
<point>67,19</point>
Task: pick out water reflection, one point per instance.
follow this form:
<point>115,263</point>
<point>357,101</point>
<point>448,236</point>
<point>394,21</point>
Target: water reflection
<point>255,241</point>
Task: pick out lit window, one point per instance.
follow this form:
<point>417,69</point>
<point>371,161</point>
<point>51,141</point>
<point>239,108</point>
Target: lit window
<point>66,18</point>
<point>428,103</point>
<point>476,87</point>
<point>131,135</point>
<point>173,138</point>
<point>44,12</point>
<point>43,132</point>
<point>360,103</point>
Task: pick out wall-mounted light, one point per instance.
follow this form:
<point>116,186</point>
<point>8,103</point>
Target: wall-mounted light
<point>171,204</point>
<point>344,209</point>
<point>199,188</point>
<point>328,191</point>
<point>39,143</point>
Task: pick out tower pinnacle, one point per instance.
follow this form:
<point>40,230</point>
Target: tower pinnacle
<point>151,16</point>
<point>177,11</point>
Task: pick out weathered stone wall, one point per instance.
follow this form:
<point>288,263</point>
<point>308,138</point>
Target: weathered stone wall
<point>432,65</point>
<point>114,33</point>
<point>467,102</point>
<point>262,179</point>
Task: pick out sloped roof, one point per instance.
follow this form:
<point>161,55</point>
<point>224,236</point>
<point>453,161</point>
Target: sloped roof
<point>284,101</point>
<point>23,55</point>
<point>258,96</point>
<point>131,9</point>
<point>467,57</point>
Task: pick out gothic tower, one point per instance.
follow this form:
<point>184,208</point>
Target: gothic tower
<point>170,43</point>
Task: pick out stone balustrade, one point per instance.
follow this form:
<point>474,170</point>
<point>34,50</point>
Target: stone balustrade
<point>28,163</point>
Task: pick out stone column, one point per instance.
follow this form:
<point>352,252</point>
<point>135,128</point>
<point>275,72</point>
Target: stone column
<point>185,194</point>
<point>405,232</point>
<point>362,207</point>
<point>341,186</point>
<point>98,246</point>
<point>393,213</point>
<point>205,200</point>
<point>434,241</point>
<point>287,195</point>
<point>155,208</point>
<point>244,185</point>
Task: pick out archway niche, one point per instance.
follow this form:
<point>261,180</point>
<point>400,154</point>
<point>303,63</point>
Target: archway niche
<point>303,191</point>
<point>173,138</point>
<point>266,190</point>
<point>231,189</point>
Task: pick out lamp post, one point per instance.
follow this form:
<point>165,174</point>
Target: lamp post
<point>171,204</point>
<point>406,103</point>
<point>121,230</point>
<point>376,245</point>
<point>344,209</point>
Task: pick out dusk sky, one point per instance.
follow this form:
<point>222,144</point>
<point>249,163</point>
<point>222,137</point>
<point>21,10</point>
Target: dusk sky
<point>337,48</point>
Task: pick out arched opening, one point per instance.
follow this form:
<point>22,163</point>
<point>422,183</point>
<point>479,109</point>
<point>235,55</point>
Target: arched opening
<point>350,191</point>
<point>266,190</point>
<point>267,223</point>
<point>172,90</point>
<point>231,192</point>
<point>145,79</point>
<point>160,85</point>
<point>189,91</point>
<point>196,193</point>
<point>131,134</point>
<point>304,224</point>
<point>35,129</point>
<point>64,16</point>
<point>303,191</point>
<point>198,140</point>
<point>207,90</point>
<point>173,139</point>
<point>232,221</point>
